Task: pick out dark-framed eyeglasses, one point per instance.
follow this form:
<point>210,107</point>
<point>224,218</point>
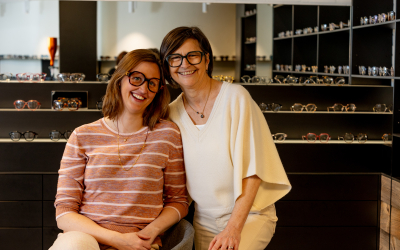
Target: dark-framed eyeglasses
<point>56,135</point>
<point>193,58</point>
<point>137,79</point>
<point>28,135</point>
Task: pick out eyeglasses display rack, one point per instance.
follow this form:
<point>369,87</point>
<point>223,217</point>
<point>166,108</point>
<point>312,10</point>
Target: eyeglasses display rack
<point>341,191</point>
<point>29,170</point>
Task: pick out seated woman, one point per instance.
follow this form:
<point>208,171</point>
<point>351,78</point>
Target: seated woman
<point>233,169</point>
<point>122,178</point>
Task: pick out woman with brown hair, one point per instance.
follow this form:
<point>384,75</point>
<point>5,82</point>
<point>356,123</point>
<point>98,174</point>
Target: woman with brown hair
<point>233,170</point>
<point>122,179</point>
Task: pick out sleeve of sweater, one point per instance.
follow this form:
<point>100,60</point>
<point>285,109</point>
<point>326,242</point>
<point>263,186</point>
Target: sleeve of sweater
<point>70,181</point>
<point>254,152</point>
<point>175,194</point>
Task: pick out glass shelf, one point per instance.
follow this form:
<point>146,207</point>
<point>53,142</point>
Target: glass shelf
<point>46,110</point>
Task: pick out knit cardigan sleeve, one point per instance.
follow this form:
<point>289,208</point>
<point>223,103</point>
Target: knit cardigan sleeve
<point>253,150</point>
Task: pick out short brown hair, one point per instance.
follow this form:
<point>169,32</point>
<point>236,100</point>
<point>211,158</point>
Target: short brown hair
<point>174,39</point>
<point>112,103</point>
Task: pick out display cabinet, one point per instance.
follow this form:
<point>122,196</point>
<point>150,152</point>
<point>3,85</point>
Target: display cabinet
<point>249,40</point>
<point>324,210</point>
<point>29,170</point>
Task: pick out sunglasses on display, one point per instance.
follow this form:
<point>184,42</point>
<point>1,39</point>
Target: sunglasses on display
<point>382,108</point>
<point>31,77</point>
<point>279,136</point>
<point>349,138</point>
<point>274,107</point>
<point>338,107</point>
<point>387,138</point>
<point>56,135</point>
<point>31,104</point>
<point>137,79</point>
<point>99,105</point>
<point>311,137</point>
<point>71,103</point>
<point>193,58</point>
<point>28,135</point>
<point>298,107</point>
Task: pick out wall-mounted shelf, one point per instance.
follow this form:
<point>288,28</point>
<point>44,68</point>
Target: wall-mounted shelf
<point>46,110</point>
<point>387,24</point>
<point>331,142</point>
<point>314,85</point>
<point>313,34</point>
<point>331,113</point>
<point>37,140</point>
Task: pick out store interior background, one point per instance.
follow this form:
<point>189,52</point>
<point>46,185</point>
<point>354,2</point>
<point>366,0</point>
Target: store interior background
<point>25,29</point>
<point>119,30</point>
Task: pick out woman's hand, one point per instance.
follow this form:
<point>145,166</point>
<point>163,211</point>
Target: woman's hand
<point>132,241</point>
<point>229,239</point>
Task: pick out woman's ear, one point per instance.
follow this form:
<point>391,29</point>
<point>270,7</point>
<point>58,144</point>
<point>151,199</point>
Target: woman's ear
<point>207,56</point>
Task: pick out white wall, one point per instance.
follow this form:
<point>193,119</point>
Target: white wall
<point>120,30</point>
<point>26,33</point>
<point>264,38</point>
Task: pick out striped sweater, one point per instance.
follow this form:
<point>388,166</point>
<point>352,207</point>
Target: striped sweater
<point>91,181</point>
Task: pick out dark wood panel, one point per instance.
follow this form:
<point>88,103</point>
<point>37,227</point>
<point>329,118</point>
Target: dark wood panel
<point>333,187</point>
<point>30,157</point>
<point>50,187</point>
<point>21,238</point>
<point>42,92</point>
<point>327,238</point>
<point>327,213</point>
<point>43,122</point>
<point>21,214</point>
<point>49,214</point>
<point>20,187</point>
<point>78,19</point>
<point>49,236</point>
<point>331,158</point>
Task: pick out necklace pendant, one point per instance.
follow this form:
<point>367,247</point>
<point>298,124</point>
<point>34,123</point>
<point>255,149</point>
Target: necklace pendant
<point>202,116</point>
<point>125,140</point>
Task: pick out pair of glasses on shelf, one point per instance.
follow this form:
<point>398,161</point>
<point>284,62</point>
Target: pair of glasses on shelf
<point>338,107</point>
<point>274,107</point>
<point>99,105</point>
<point>28,135</point>
<point>311,137</point>
<point>54,135</point>
<point>279,136</point>
<point>31,104</point>
<point>382,108</point>
<point>349,138</point>
<point>298,107</point>
<point>70,103</point>
<point>387,138</point>
<point>31,77</point>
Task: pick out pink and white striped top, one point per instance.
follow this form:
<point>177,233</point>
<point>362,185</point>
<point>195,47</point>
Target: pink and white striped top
<point>91,181</point>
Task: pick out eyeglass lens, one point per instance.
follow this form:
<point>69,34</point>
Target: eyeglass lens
<point>362,138</point>
<point>280,137</point>
<point>274,107</point>
<point>348,137</point>
<point>193,57</point>
<point>136,79</point>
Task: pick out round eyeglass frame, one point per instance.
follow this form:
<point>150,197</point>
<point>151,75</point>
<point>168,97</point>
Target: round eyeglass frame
<point>128,74</point>
<point>182,57</point>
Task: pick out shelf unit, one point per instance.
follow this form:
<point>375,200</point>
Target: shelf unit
<point>367,45</point>
<point>248,49</point>
<point>28,207</point>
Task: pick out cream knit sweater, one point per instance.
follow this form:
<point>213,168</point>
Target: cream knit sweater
<point>235,143</point>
